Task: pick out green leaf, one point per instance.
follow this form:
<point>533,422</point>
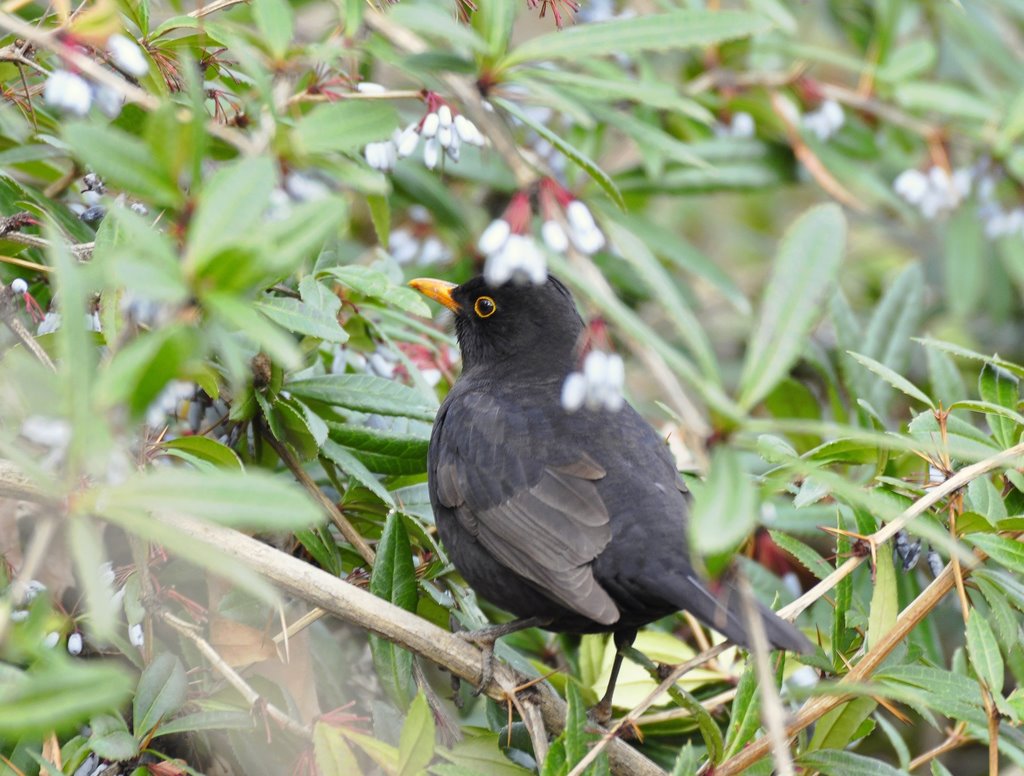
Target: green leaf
<point>382,451</point>
<point>589,166</point>
<point>124,161</point>
<point>480,753</point>
<point>255,499</point>
<point>276,24</point>
<point>206,449</point>
<point>802,279</point>
<point>745,718</point>
<point>576,738</point>
<point>983,498</point>
<point>394,579</point>
<point>839,726</point>
<point>807,556</point>
<point>1000,387</point>
<point>416,746</point>
<point>895,380</point>
<point>345,460</point>
<point>662,287</point>
<point>885,605</point>
<point>206,720</point>
<point>333,755</point>
<point>297,316</point>
<point>86,545</point>
<point>110,738</point>
<point>887,338</point>
<point>946,100</point>
<point>967,266</point>
<point>377,285</point>
<point>380,214</point>
<point>231,203</point>
<point>984,652</point>
<point>683,255</point>
<point>140,371</point>
<point>494,21</point>
<point>242,317</point>
<point>343,126</point>
<point>725,508</point>
<point>162,690</point>
<point>1004,551</point>
<point>365,393</point>
<point>59,695</point>
<point>656,32</point>
<point>832,762</point>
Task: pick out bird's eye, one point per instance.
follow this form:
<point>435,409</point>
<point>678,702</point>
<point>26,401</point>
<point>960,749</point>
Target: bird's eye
<point>485,307</point>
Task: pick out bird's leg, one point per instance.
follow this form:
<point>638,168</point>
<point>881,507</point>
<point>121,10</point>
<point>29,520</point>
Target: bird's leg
<point>602,712</point>
<point>485,638</point>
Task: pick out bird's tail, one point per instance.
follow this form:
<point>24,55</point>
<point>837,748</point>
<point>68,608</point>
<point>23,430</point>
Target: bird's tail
<point>724,612</point>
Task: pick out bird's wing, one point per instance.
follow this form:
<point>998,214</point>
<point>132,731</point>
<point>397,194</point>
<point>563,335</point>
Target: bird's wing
<point>531,503</point>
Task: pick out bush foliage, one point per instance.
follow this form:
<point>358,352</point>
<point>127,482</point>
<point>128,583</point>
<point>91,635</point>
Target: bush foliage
<point>799,223</point>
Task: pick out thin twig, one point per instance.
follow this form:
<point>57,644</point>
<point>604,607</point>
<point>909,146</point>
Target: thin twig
<point>206,10</point>
<point>955,740</point>
<point>814,166</point>
<point>39,544</point>
<point>252,698</point>
<point>352,536</point>
<point>772,712</point>
<point>9,316</point>
<point>78,250</point>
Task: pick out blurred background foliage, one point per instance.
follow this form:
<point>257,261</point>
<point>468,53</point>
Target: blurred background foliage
<point>800,223</point>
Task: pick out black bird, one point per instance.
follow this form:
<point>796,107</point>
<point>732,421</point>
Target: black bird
<point>573,521</point>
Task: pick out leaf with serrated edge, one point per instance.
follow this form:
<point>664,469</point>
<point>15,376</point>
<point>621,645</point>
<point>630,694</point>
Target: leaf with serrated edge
<point>802,279</point>
<point>984,652</point>
<point>656,32</point>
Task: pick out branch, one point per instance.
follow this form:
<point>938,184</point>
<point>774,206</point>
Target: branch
<point>301,580</point>
<point>352,536</point>
<point>9,316</point>
<point>101,75</point>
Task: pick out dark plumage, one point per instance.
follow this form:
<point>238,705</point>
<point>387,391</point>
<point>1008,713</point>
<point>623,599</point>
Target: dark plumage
<point>575,518</point>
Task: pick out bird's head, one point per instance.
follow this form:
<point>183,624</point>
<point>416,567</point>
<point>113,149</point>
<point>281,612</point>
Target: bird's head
<point>527,328</point>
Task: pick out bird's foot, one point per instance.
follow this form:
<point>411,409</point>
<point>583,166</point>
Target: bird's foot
<point>601,713</point>
<point>486,645</point>
<point>485,639</point>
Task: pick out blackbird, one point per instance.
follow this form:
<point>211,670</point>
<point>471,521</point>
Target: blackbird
<point>573,521</point>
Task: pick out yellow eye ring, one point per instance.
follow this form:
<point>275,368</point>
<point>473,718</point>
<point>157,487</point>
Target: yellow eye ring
<point>484,307</point>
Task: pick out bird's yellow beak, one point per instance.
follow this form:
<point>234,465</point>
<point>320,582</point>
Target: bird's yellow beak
<point>438,290</point>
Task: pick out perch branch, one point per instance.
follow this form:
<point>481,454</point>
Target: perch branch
<point>365,610</point>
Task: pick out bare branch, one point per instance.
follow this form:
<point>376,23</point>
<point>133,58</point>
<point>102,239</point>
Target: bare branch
<point>406,629</point>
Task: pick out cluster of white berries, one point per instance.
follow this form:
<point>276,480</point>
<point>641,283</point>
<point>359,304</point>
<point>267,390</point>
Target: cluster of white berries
<point>824,122</point>
<point>598,386</point>
<point>934,192</point>
<point>443,132</point>
<point>68,91</point>
<point>583,230</point>
<point>510,249</point>
<point>512,253</point>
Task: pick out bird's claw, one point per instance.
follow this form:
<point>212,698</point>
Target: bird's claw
<point>486,644</point>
